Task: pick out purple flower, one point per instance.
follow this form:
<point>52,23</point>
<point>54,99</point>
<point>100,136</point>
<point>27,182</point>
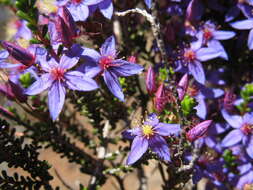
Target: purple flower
<point>79,8</point>
<point>151,81</point>
<point>182,87</point>
<point>105,7</point>
<point>245,25</point>
<point>192,57</point>
<point>56,79</point>
<point>198,131</point>
<point>19,53</point>
<point>150,135</point>
<point>63,29</point>
<point>105,63</point>
<point>22,30</point>
<point>211,37</point>
<point>242,132</point>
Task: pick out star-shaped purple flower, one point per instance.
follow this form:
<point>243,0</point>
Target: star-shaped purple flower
<point>242,132</point>
<point>150,135</point>
<point>211,37</point>
<point>105,63</point>
<point>245,25</point>
<point>56,79</point>
<point>194,55</point>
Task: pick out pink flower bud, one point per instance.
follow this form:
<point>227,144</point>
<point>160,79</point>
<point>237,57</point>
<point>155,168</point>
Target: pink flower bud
<point>131,59</point>
<point>162,97</point>
<point>19,53</point>
<point>5,112</point>
<point>182,87</point>
<point>198,131</point>
<point>151,81</point>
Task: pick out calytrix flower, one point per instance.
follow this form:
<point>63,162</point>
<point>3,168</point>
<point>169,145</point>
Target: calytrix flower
<point>211,37</point>
<point>198,131</point>
<point>245,25</point>
<point>56,79</point>
<point>19,53</point>
<point>242,132</point>
<point>150,135</point>
<point>106,64</point>
<point>148,3</point>
<point>194,55</point>
<point>151,80</point>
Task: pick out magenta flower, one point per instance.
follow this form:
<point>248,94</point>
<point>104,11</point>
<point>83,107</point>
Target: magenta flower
<point>105,63</point>
<point>198,131</point>
<point>150,135</point>
<point>194,55</point>
<point>56,79</point>
<point>182,87</point>
<point>19,53</point>
<point>151,81</point>
<point>242,132</point>
<point>63,29</point>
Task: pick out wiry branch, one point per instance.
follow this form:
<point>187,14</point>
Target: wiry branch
<point>155,25</point>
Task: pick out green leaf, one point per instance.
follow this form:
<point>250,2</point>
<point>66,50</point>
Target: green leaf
<point>26,80</point>
<point>188,104</point>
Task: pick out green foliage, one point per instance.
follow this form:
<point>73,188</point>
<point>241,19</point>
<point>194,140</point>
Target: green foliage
<point>230,159</point>
<point>188,104</point>
<point>26,80</point>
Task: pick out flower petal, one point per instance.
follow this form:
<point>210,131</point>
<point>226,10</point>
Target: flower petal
<point>79,12</point>
<point>148,3</point>
<point>160,147</point>
<point>138,148</point>
<point>68,62</point>
<point>205,54</point>
<point>108,47</point>
<point>243,24</point>
<point>166,129</point>
<point>126,68</point>
<point>132,133</point>
<point>112,82</point>
<point>43,83</point>
<point>56,98</point>
<point>223,35</point>
<point>91,54</point>
<point>106,8</point>
<point>234,120</point>
<point>215,44</point>
<point>79,81</point>
<point>3,55</point>
<point>232,13</point>
<point>152,120</point>
<point>249,147</point>
<point>197,71</point>
<point>250,40</point>
<point>201,108</point>
<point>232,138</point>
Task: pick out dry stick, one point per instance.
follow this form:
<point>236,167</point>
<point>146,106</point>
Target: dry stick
<point>61,179</point>
<point>155,25</point>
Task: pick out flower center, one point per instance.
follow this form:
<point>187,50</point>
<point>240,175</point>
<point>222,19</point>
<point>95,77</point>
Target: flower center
<point>192,91</point>
<point>189,55</point>
<point>207,34</point>
<point>147,130</point>
<point>247,128</point>
<point>77,1</point>
<point>58,73</point>
<point>105,62</point>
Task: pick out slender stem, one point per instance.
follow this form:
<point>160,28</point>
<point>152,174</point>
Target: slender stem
<point>155,26</point>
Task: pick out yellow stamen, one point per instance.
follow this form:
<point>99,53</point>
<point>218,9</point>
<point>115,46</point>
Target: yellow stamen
<point>147,130</point>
